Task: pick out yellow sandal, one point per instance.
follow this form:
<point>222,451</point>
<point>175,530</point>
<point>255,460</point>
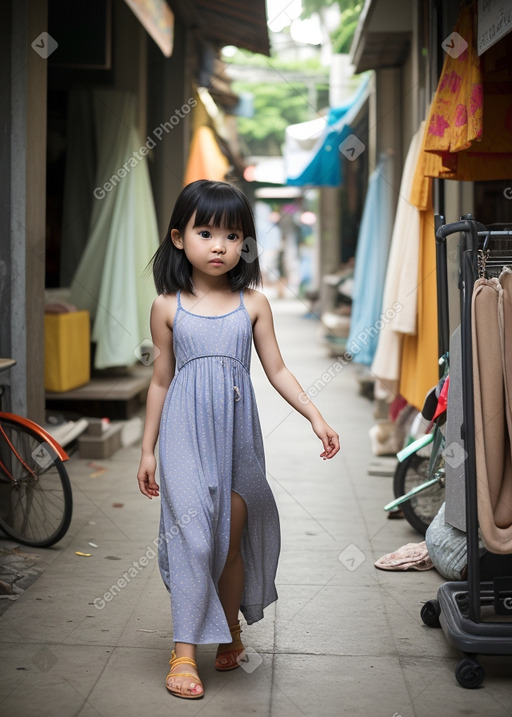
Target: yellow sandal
<point>174,662</point>
<point>229,655</point>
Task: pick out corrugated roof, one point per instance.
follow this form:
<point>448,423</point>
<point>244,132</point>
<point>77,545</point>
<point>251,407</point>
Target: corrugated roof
<point>228,22</point>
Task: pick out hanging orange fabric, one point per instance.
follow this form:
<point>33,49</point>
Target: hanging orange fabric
<point>469,128</point>
<point>468,136</point>
<point>419,366</point>
<point>205,160</point>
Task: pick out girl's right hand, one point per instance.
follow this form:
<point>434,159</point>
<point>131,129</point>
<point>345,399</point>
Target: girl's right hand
<point>146,477</point>
<point>329,438</point>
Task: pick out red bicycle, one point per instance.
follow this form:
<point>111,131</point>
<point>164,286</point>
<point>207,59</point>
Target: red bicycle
<point>36,502</point>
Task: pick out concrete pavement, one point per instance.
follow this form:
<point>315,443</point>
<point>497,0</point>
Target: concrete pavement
<point>342,639</point>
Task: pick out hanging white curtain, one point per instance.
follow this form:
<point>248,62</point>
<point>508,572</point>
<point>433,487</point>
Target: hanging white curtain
<point>110,281</point>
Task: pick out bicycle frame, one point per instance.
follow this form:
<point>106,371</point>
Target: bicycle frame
<point>36,428</point>
<point>404,498</point>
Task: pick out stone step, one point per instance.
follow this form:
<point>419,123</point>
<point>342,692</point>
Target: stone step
<point>100,446</point>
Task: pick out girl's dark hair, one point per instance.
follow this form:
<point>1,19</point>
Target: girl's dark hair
<point>217,203</point>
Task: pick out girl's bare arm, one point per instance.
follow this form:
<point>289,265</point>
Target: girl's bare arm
<point>282,379</point>
<point>163,372</point>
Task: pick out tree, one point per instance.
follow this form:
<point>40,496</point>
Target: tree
<point>289,92</point>
<point>283,93</point>
<point>350,11</point>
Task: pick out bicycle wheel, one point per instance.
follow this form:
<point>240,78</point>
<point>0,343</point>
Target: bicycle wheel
<point>36,502</point>
<point>422,508</point>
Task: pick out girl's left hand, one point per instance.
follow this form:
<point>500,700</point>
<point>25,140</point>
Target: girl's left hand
<point>329,438</point>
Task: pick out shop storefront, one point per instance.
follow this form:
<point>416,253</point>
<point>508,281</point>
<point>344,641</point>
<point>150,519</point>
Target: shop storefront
<point>100,103</point>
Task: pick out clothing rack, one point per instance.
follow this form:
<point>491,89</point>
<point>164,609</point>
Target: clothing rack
<point>466,610</point>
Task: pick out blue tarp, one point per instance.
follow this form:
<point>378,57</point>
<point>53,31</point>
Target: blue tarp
<point>325,166</point>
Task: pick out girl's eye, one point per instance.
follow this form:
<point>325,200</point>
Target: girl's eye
<point>205,234</point>
<point>233,236</point>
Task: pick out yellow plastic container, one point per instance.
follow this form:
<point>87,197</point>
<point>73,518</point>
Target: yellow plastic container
<point>67,362</point>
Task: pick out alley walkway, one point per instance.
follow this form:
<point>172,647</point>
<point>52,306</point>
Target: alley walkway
<point>342,639</point>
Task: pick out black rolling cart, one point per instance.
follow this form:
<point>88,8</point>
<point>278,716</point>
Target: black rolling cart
<point>470,612</point>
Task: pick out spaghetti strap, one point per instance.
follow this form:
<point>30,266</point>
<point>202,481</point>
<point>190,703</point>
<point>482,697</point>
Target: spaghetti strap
<point>178,298</point>
<point>242,297</point>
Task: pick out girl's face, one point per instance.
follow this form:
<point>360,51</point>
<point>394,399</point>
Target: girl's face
<point>211,250</point>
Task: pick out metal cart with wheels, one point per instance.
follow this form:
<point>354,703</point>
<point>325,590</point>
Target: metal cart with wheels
<point>469,612</point>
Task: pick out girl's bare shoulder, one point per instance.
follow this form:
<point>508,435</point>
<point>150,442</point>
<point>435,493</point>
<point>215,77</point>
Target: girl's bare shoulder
<point>256,303</point>
<point>164,308</point>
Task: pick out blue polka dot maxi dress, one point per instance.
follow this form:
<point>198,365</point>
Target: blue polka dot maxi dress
<point>210,444</point>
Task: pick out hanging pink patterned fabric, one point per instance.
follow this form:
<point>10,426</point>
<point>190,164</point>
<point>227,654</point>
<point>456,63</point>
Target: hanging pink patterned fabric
<point>469,128</point>
<point>456,114</point>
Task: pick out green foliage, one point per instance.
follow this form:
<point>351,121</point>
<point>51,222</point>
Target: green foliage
<point>343,36</point>
<point>311,6</point>
<point>275,107</point>
<point>279,102</point>
<point>350,12</point>
<point>244,58</point>
<point>284,102</point>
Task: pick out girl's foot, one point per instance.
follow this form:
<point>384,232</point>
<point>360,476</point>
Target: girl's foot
<point>180,681</point>
<point>229,655</point>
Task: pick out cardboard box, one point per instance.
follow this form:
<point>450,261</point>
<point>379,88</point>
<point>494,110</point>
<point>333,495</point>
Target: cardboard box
<point>67,351</point>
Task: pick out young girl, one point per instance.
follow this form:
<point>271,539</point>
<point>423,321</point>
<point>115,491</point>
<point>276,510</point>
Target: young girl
<point>219,527</point>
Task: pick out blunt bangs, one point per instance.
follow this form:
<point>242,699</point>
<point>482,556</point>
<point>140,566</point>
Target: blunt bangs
<point>222,206</point>
<point>217,204</point>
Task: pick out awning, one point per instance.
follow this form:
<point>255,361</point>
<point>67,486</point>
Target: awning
<point>281,193</point>
<point>227,22</point>
<point>301,141</point>
<point>223,22</point>
<point>312,149</point>
<point>265,170</point>
<point>158,19</point>
<point>383,35</point>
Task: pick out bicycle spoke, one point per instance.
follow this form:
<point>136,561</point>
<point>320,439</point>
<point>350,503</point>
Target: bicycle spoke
<point>35,497</point>
<point>419,486</point>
